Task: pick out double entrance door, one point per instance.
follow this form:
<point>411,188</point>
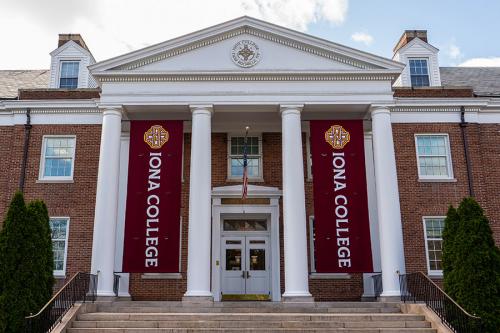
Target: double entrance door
<point>245,265</point>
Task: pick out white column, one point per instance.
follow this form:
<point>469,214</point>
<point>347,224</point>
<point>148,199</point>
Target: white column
<point>294,211</point>
<point>106,207</point>
<point>369,291</point>
<point>388,209</point>
<point>200,188</point>
<point>120,223</point>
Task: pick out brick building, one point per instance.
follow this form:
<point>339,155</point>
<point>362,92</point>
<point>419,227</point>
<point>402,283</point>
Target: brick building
<point>430,137</point>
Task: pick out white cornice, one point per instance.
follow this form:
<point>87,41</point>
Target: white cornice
<point>50,112</point>
<point>361,75</point>
<point>442,104</point>
<point>49,104</point>
<point>254,191</point>
<point>247,25</point>
<point>434,108</point>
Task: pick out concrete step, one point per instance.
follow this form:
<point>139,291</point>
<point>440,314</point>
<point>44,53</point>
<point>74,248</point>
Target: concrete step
<point>260,330</point>
<point>251,304</point>
<point>104,316</point>
<point>250,324</point>
<point>170,309</point>
<point>163,317</point>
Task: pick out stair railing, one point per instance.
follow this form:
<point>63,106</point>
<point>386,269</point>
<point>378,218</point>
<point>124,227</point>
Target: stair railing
<point>81,287</point>
<point>418,287</point>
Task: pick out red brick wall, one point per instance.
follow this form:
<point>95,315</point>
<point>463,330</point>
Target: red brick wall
<point>420,199</point>
<point>75,200</point>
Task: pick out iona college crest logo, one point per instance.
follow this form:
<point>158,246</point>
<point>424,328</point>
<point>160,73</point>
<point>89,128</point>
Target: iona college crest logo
<point>337,136</point>
<point>245,53</point>
<point>156,136</point>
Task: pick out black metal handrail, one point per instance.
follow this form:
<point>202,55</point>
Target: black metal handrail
<point>417,287</point>
<point>80,288</point>
<point>116,283</point>
<point>377,284</point>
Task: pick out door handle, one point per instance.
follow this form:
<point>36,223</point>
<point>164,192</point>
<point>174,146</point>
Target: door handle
<point>243,275</point>
<point>248,274</point>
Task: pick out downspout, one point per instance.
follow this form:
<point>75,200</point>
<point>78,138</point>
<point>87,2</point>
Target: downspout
<point>27,132</point>
<point>463,126</point>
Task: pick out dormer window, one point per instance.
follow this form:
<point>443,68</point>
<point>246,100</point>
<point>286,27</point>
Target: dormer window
<point>419,73</point>
<point>69,74</point>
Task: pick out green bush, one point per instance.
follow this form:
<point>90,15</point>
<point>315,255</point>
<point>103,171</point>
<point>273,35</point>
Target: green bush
<point>26,263</point>
<point>471,263</point>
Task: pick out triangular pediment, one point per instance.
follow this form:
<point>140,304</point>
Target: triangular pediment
<point>417,41</point>
<point>212,51</point>
<point>72,48</point>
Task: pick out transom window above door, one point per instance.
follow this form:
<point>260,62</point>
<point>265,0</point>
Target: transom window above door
<point>245,225</point>
<point>236,149</point>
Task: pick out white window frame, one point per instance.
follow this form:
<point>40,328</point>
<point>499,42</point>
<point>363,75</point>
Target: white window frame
<point>448,158</point>
<point>260,156</point>
<point>428,71</point>
<point>60,72</point>
<point>433,272</point>
<point>63,271</point>
<point>41,176</point>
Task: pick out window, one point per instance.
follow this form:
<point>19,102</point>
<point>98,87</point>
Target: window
<point>433,156</point>
<point>245,225</point>
<point>254,157</point>
<point>433,228</point>
<point>419,73</point>
<point>312,248</point>
<point>58,155</point>
<point>59,227</point>
<point>68,77</point>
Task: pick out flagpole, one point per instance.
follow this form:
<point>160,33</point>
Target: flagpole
<point>244,187</point>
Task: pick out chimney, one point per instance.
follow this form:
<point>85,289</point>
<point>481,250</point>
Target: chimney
<point>77,38</point>
<point>408,36</point>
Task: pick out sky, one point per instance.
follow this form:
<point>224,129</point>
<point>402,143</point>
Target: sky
<point>466,32</point>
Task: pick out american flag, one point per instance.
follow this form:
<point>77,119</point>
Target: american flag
<point>245,169</point>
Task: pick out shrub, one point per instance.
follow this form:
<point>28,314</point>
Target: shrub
<point>26,263</point>
<point>471,263</point>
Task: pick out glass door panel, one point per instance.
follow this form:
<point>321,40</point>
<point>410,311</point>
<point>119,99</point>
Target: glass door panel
<point>233,265</point>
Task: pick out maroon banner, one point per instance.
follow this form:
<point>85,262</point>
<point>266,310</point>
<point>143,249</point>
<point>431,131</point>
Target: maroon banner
<point>342,229</point>
<point>152,218</point>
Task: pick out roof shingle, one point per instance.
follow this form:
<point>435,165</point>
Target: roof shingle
<point>485,81</point>
<point>12,80</point>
